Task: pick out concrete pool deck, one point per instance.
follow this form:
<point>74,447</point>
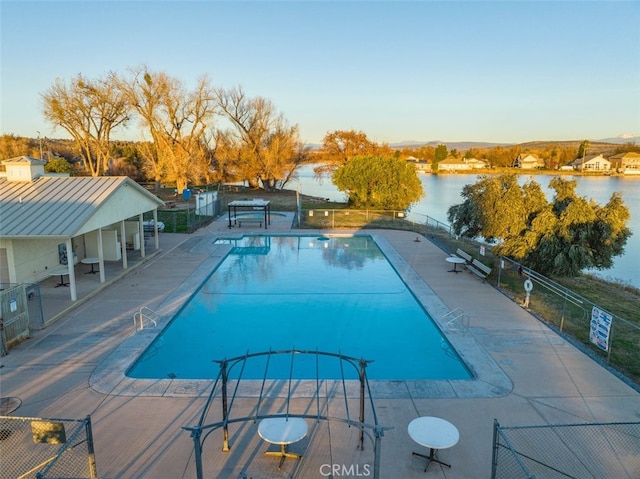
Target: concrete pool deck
<point>139,434</point>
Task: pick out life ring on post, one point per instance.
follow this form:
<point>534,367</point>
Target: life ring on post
<point>528,285</point>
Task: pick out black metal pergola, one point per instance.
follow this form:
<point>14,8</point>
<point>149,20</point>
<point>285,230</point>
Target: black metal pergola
<point>201,431</point>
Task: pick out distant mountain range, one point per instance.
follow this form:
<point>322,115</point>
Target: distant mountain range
<point>457,145</point>
<point>622,139</point>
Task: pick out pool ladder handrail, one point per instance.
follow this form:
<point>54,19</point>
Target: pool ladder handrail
<point>459,322</point>
<point>145,314</point>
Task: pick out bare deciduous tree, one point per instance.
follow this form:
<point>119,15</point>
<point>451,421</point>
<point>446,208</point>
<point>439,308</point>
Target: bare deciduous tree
<point>260,147</point>
<point>177,121</point>
<point>89,110</point>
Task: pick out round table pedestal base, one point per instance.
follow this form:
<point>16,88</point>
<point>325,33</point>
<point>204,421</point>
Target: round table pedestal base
<point>282,454</point>
<point>431,458</point>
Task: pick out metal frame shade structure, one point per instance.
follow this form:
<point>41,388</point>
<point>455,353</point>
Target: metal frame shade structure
<point>255,204</point>
<point>201,431</point>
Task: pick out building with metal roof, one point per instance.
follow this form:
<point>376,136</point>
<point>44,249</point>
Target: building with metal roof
<point>47,219</point>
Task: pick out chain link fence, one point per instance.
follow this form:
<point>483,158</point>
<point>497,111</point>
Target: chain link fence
<point>348,218</point>
<point>14,316</point>
<point>578,451</point>
<point>601,333</point>
<point>193,213</point>
<point>44,448</point>
<point>20,312</point>
<point>608,336</point>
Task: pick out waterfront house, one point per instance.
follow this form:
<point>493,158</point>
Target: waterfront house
<point>460,164</point>
<point>626,163</point>
<point>528,161</point>
<point>591,163</point>
<point>421,165</point>
<point>476,164</point>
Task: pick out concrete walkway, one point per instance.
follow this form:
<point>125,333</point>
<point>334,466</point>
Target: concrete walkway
<point>138,432</point>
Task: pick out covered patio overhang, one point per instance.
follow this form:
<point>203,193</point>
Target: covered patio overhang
<point>122,232</point>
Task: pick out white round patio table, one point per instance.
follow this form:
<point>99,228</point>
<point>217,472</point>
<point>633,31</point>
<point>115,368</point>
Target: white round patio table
<point>282,431</point>
<point>456,261</point>
<point>434,433</point>
<point>62,271</point>
<point>92,262</point>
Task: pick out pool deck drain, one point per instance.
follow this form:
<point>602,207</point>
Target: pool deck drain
<point>140,434</point>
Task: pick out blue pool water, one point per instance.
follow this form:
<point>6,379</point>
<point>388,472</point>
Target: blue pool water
<point>334,294</point>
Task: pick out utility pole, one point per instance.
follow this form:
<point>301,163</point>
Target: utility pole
<point>40,140</point>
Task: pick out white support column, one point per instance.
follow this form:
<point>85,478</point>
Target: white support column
<point>155,228</point>
<point>72,270</point>
<point>141,233</point>
<point>101,256</point>
<point>123,245</point>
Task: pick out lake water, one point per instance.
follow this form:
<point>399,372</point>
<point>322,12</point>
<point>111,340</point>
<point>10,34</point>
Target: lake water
<point>443,191</point>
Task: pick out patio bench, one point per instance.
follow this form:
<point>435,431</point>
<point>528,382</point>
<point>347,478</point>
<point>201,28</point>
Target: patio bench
<point>463,254</point>
<point>479,269</point>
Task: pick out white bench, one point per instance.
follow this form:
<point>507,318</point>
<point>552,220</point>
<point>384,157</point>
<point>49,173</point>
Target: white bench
<point>479,269</point>
<point>464,255</point>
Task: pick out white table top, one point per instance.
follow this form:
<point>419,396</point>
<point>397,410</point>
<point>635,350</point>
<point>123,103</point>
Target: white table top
<point>433,432</point>
<point>90,260</point>
<point>455,259</point>
<point>60,271</point>
<point>281,430</point>
<point>249,203</point>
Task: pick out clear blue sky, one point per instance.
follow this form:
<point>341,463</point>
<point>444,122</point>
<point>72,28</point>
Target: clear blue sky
<point>501,71</point>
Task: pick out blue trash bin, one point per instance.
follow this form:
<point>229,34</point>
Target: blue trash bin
<point>186,194</point>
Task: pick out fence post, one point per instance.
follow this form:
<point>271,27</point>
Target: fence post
<point>93,471</point>
<point>3,349</point>
<point>494,458</point>
<point>613,321</point>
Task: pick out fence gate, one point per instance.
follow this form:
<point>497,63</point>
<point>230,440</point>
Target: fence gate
<point>14,316</point>
<point>46,448</point>
<point>34,305</point>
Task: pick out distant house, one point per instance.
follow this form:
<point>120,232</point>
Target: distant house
<point>421,165</point>
<point>528,161</point>
<point>627,163</point>
<point>476,164</point>
<point>460,164</point>
<point>591,163</point>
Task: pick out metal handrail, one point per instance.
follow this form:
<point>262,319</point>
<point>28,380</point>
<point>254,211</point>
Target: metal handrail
<point>457,323</point>
<point>145,314</point>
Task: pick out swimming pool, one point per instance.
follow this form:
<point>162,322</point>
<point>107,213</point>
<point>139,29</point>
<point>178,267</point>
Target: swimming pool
<point>334,293</point>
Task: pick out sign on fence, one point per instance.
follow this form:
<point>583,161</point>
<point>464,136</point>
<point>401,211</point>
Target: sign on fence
<point>600,328</point>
